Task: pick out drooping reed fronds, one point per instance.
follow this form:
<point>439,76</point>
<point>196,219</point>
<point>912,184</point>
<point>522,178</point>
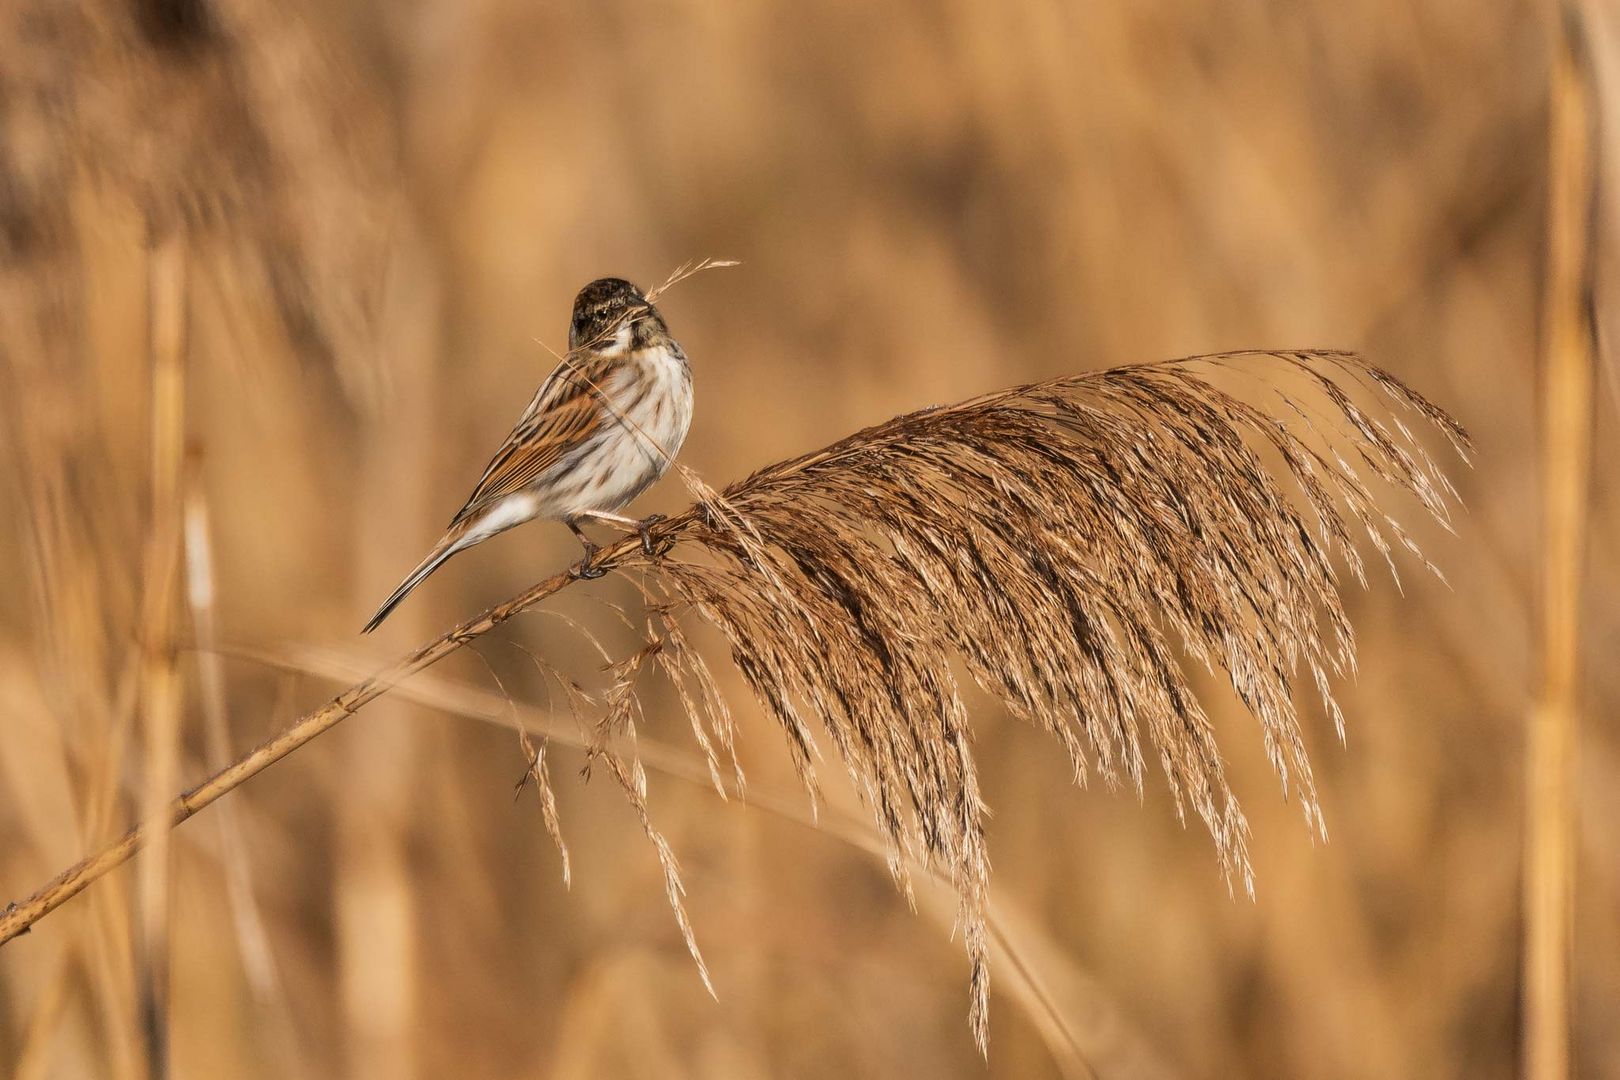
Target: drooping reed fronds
<point>1079,1040</point>
<point>1064,542</point>
<point>1058,541</point>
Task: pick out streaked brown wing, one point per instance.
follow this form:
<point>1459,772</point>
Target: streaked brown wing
<point>563,415</point>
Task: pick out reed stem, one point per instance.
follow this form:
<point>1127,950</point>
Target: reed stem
<point>19,917</point>
<point>1549,857</point>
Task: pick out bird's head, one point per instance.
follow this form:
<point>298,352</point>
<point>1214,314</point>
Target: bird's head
<point>611,316</point>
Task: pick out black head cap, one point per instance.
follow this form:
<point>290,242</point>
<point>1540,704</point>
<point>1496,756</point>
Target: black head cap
<point>600,306</point>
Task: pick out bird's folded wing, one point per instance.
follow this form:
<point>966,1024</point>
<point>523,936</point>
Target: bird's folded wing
<point>567,411</point>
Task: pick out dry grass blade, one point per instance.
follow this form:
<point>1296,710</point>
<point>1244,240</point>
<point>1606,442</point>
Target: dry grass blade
<point>1059,541</point>
<point>253,941</point>
<point>686,270</point>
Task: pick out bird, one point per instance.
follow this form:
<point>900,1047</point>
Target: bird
<point>604,426</point>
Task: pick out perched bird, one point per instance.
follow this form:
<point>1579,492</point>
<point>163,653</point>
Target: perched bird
<point>601,429</point>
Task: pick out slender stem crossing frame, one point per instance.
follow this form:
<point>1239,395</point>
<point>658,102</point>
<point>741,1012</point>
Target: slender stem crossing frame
<point>20,916</point>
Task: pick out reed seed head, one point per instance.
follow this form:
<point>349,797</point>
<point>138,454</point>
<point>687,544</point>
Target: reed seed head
<point>1070,545</point>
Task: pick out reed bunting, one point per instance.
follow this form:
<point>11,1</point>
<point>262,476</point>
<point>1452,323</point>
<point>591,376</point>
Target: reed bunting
<point>601,429</point>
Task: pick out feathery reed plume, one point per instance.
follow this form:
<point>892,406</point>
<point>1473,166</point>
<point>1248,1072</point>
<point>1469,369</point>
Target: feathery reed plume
<point>1057,540</point>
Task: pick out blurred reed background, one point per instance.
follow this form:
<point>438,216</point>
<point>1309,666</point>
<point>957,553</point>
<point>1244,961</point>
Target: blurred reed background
<point>276,279</point>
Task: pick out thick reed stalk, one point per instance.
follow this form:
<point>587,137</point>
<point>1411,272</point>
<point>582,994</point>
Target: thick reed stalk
<point>1567,367</point>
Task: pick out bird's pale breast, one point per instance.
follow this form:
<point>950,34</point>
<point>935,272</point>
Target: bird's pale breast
<point>651,410</point>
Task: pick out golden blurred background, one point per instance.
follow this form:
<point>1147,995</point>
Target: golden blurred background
<point>280,276</point>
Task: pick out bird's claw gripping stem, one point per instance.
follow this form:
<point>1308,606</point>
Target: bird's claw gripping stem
<point>644,527</point>
<point>585,570</point>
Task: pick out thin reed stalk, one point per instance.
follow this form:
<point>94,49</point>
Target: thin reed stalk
<point>160,692</point>
<point>1566,451</point>
<point>19,917</point>
<point>259,964</point>
<point>377,925</point>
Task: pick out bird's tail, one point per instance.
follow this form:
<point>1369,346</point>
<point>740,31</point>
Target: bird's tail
<point>452,543</point>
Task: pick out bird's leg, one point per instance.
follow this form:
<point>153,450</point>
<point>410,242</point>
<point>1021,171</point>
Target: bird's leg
<point>583,569</point>
<point>642,526</point>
